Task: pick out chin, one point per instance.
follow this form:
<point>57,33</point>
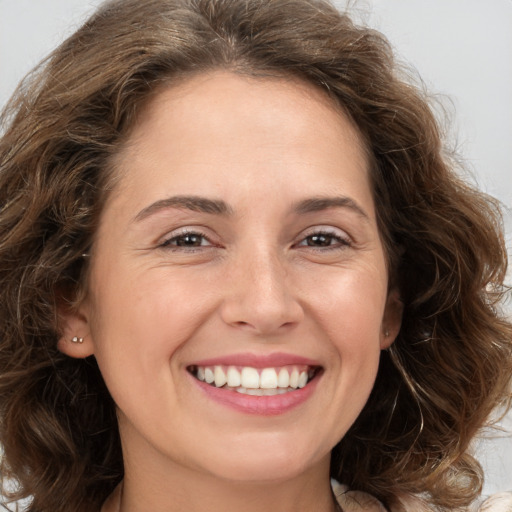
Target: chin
<point>267,464</point>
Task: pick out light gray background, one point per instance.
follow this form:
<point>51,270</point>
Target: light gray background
<point>461,49</point>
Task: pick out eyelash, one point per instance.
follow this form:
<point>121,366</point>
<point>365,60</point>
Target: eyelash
<point>168,243</point>
<point>341,241</point>
<point>173,243</point>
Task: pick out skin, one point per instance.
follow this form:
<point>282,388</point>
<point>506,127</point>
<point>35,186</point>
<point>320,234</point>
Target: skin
<point>258,283</point>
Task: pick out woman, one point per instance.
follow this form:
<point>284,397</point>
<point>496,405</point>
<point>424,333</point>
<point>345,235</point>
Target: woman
<point>235,264</point>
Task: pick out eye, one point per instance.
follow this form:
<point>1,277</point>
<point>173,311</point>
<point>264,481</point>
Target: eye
<point>325,239</point>
<point>187,240</point>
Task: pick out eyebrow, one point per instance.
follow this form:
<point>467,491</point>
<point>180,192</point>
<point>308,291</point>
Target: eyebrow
<point>194,203</point>
<point>219,207</point>
<point>316,204</point>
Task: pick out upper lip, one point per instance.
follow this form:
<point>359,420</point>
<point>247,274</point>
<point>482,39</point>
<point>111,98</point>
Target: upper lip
<point>257,360</point>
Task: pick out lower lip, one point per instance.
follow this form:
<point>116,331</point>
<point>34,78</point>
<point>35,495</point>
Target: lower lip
<point>260,405</point>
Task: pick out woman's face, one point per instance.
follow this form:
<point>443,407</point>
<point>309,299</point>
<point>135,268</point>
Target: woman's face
<point>239,244</point>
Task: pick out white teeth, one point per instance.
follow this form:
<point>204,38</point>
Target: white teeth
<point>303,380</point>
<point>208,375</point>
<point>253,381</point>
<point>283,380</point>
<point>233,377</point>
<point>220,376</point>
<point>250,378</point>
<point>272,392</point>
<point>254,392</point>
<point>262,392</point>
<point>268,378</point>
<point>294,378</point>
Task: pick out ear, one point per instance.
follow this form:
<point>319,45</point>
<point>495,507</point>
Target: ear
<point>392,319</point>
<point>75,337</point>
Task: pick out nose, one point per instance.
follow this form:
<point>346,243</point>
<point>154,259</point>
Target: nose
<point>259,295</point>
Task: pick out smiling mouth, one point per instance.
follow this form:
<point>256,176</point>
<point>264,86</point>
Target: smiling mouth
<point>256,381</point>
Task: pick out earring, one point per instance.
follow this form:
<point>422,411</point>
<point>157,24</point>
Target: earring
<point>76,339</point>
<point>386,333</point>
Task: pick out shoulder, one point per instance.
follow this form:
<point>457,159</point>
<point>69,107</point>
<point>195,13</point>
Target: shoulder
<point>501,502</point>
<point>357,501</point>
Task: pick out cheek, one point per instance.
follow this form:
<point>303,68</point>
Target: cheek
<point>146,300</point>
<point>139,324</point>
<point>350,313</point>
<point>351,308</point>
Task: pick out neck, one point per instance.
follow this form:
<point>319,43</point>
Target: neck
<point>194,492</point>
<point>158,482</point>
<point>236,498</point>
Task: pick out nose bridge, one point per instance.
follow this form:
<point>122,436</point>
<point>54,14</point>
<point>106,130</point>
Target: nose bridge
<point>269,277</point>
<point>260,294</point>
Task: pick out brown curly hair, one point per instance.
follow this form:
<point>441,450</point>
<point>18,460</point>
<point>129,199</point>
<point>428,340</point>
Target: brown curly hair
<point>452,361</point>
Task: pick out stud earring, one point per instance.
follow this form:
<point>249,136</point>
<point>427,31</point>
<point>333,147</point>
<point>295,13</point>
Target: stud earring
<point>76,339</point>
<point>386,333</point>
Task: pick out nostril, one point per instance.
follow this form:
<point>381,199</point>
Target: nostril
<point>243,325</point>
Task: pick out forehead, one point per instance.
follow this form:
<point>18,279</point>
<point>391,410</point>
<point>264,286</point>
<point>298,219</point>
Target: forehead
<point>210,129</point>
<point>265,103</point>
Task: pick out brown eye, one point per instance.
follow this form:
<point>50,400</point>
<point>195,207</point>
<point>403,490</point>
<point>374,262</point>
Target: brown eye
<point>320,240</point>
<point>326,240</point>
<point>187,240</point>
